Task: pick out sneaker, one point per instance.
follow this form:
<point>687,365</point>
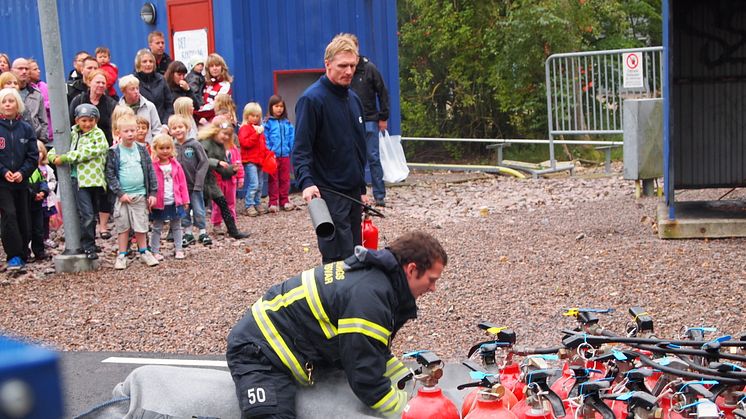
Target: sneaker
<point>121,262</point>
<point>148,258</point>
<point>251,211</point>
<point>15,264</point>
<point>288,206</point>
<point>274,208</point>
<point>262,209</point>
<point>217,229</point>
<point>158,256</point>
<point>205,239</point>
<point>50,244</point>
<point>188,239</point>
<point>380,203</point>
<point>179,255</point>
<point>91,254</point>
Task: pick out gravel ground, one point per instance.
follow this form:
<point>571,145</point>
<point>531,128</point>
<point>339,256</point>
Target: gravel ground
<point>520,251</point>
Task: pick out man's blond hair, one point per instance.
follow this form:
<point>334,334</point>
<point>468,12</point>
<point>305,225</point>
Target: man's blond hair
<point>340,43</point>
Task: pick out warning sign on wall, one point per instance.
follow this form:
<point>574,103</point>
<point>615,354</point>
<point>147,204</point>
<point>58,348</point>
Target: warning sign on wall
<point>632,77</point>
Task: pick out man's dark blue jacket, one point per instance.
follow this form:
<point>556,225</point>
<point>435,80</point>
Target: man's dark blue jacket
<point>329,138</point>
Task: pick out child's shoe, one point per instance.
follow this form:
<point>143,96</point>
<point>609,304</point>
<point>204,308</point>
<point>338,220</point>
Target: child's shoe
<point>15,264</point>
<point>205,239</point>
<point>148,258</point>
<point>251,211</point>
<point>288,206</point>
<point>121,262</point>
<point>50,244</point>
<point>158,256</point>
<point>217,229</point>
<point>188,240</point>
<point>179,255</point>
<point>273,208</point>
<point>262,209</point>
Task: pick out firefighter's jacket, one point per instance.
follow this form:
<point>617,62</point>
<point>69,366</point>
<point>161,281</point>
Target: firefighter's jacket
<point>343,315</point>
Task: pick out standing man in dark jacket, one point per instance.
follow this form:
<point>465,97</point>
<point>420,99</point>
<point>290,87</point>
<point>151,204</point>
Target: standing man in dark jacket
<point>329,151</point>
<point>368,84</point>
<point>157,45</point>
<point>340,315</point>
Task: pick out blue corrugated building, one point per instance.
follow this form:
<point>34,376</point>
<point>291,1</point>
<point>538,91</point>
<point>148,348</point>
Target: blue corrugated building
<point>270,46</point>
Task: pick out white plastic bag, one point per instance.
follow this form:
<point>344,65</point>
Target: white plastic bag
<point>392,158</point>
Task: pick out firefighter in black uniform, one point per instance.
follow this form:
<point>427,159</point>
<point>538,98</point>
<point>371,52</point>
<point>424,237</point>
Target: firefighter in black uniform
<point>338,315</point>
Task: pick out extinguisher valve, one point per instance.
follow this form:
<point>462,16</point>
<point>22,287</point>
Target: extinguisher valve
<point>431,367</point>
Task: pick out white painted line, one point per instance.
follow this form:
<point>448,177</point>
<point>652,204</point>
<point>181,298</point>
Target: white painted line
<point>166,361</point>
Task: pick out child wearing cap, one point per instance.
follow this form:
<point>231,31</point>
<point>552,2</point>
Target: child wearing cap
<point>129,171</point>
<point>87,159</point>
<point>196,79</point>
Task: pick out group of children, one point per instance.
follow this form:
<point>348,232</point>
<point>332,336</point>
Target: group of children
<point>171,178</point>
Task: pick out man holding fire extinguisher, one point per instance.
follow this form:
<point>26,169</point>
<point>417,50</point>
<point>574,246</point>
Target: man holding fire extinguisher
<point>330,150</point>
<point>340,315</point>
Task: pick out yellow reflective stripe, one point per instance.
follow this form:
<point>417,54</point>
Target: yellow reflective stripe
<point>365,327</point>
<point>284,300</point>
<point>277,342</point>
<point>314,303</point>
<point>392,401</point>
<point>395,370</point>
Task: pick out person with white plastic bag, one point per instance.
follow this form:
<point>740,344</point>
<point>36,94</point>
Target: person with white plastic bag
<point>370,87</point>
<point>393,161</point>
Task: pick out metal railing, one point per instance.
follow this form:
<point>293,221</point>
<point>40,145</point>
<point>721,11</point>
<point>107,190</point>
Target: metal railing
<point>585,90</point>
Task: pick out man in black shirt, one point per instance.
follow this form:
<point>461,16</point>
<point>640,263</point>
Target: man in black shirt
<point>368,84</point>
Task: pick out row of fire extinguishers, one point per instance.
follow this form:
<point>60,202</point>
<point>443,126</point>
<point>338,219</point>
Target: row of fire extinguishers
<point>593,374</point>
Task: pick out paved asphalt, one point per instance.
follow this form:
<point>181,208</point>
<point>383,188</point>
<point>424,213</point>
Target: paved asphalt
<point>86,381</point>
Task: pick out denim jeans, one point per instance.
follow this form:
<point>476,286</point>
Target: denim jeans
<point>374,160</point>
<point>253,182</point>
<point>197,208</point>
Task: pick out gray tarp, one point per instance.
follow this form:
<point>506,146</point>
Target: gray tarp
<point>160,392</point>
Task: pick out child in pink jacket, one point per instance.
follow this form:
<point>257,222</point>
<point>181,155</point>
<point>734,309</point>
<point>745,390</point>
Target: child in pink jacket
<point>231,185</point>
<point>172,198</point>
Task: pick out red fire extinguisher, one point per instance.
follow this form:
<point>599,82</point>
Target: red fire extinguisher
<point>489,404</point>
<point>429,401</point>
<point>370,233</point>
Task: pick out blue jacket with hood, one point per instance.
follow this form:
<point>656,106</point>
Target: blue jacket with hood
<point>280,135</point>
<point>18,151</point>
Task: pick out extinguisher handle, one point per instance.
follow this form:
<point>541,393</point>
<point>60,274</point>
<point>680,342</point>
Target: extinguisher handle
<point>599,406</point>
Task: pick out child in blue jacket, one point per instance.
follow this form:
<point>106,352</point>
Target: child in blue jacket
<point>280,134</point>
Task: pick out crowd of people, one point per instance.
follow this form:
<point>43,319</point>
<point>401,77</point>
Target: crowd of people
<point>171,144</point>
<point>171,150</point>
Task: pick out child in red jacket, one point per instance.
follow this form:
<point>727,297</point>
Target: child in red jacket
<point>253,148</point>
<point>103,57</point>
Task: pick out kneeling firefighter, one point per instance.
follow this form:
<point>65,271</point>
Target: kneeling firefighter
<point>339,315</point>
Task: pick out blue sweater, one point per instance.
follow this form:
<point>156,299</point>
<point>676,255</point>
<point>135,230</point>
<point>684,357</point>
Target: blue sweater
<point>329,138</point>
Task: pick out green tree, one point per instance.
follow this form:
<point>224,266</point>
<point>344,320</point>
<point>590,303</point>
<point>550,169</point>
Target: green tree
<point>475,69</point>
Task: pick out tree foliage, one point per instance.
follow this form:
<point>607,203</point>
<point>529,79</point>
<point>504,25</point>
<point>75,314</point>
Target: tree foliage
<point>475,68</point>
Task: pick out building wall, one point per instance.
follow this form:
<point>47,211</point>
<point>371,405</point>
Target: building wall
<point>255,37</point>
<point>84,25</point>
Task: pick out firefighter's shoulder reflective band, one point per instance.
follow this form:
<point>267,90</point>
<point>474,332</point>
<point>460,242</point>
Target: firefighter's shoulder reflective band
<point>277,342</point>
<point>393,401</point>
<point>314,303</point>
<point>395,370</point>
<point>367,328</point>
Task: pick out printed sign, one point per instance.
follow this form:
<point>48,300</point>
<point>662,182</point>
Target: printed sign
<point>189,44</point>
<point>632,76</point>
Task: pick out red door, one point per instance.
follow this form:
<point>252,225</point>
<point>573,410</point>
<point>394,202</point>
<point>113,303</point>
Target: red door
<point>184,15</point>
